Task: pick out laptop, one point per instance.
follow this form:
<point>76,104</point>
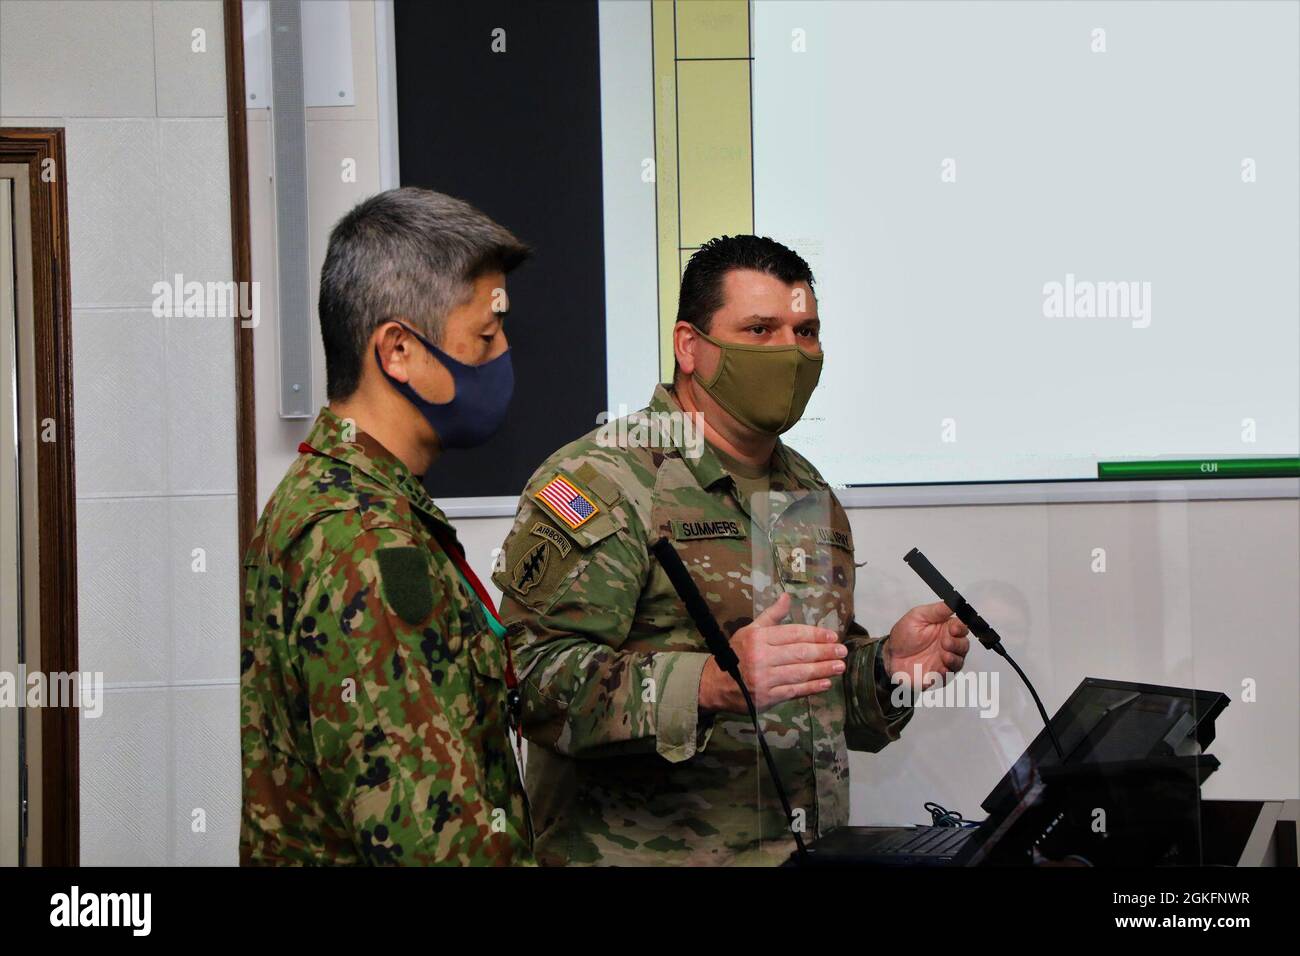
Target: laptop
<point>1109,731</point>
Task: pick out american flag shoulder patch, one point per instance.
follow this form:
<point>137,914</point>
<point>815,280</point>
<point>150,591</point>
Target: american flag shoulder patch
<point>567,502</point>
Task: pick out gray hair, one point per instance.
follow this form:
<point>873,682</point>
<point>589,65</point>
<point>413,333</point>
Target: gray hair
<point>410,253</point>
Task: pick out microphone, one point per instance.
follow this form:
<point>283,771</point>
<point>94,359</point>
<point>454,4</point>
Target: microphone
<point>952,597</point>
<point>725,655</point>
<point>978,626</point>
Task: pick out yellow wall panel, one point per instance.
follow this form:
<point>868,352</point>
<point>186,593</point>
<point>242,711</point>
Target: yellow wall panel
<point>713,28</point>
<point>703,156</point>
<point>716,181</point>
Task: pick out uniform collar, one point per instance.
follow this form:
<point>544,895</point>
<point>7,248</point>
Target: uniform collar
<point>791,472</point>
<point>706,468</point>
<point>787,472</point>
<point>365,454</point>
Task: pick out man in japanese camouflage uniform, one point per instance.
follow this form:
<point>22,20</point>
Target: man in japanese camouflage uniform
<point>640,748</point>
<point>374,674</point>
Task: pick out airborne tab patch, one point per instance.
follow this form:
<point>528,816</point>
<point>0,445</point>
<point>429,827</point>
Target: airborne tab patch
<point>544,530</point>
<point>561,498</point>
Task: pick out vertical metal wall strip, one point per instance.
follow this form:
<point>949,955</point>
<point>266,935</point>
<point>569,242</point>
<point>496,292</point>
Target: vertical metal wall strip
<point>289,128</point>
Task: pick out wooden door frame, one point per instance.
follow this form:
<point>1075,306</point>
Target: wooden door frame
<point>44,154</point>
<point>241,255</point>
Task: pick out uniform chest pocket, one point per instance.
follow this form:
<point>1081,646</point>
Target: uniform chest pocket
<point>819,579</point>
<point>487,654</point>
<point>487,673</point>
<point>717,553</point>
<point>486,660</point>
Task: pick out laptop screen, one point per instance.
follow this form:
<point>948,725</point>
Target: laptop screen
<point>1107,720</point>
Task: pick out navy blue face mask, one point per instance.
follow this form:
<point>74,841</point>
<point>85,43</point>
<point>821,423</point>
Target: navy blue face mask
<point>479,404</point>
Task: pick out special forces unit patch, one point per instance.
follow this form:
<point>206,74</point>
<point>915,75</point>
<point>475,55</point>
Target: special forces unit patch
<point>562,499</point>
<point>530,569</point>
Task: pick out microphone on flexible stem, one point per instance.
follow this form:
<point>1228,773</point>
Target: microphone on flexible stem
<point>978,626</point>
<point>727,660</point>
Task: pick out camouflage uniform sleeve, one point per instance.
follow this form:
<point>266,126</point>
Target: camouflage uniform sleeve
<point>389,742</point>
<point>583,695</point>
<point>870,720</point>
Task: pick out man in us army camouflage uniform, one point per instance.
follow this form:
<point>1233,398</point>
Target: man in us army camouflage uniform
<point>640,750</point>
<point>374,687</point>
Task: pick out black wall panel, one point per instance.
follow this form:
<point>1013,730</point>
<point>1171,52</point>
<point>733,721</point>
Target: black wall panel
<point>517,134</point>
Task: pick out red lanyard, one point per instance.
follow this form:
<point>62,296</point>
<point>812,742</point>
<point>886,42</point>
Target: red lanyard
<point>458,559</point>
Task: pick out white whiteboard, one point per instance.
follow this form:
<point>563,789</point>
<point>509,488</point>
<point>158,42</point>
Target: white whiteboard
<point>941,164</point>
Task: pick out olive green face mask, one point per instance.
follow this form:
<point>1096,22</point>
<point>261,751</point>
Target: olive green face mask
<point>766,387</point>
